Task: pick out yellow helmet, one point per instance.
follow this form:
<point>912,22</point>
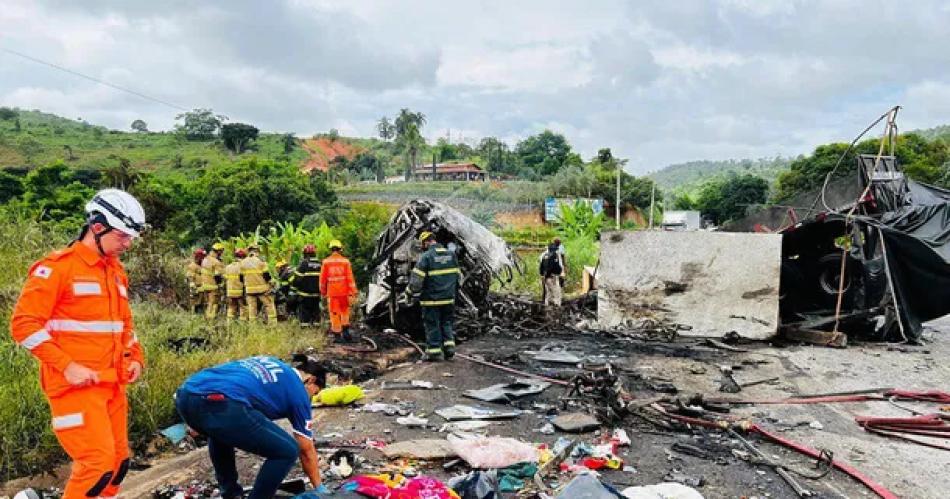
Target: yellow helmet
<point>425,236</point>
<point>217,247</point>
<point>336,244</point>
<point>280,263</point>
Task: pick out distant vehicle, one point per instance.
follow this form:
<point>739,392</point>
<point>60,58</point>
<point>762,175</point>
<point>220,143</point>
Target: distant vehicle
<point>681,220</point>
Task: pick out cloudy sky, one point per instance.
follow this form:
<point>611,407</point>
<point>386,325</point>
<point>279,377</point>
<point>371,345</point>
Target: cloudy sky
<point>659,82</point>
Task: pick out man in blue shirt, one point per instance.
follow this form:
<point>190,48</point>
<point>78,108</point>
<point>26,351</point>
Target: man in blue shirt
<point>234,405</point>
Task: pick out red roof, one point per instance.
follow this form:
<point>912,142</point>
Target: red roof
<point>450,168</point>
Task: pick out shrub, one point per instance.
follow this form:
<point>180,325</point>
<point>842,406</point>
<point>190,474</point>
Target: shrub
<point>27,446</point>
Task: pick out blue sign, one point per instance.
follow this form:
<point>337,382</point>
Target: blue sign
<point>552,207</point>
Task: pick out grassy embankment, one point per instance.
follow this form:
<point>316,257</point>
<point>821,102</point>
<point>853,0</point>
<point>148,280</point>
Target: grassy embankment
<point>44,138</point>
<point>27,445</point>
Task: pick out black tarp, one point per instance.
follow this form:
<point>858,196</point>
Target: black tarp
<point>913,222</point>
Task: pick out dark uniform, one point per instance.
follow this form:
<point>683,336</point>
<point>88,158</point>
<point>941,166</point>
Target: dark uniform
<point>284,295</point>
<point>305,284</point>
<point>434,281</point>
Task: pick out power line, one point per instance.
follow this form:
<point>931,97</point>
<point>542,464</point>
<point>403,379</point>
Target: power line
<point>94,79</point>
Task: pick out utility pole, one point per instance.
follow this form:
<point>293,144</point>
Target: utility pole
<point>652,200</point>
<point>618,194</point>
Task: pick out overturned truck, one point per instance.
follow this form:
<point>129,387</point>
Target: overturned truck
<point>878,267</point>
<point>482,257</point>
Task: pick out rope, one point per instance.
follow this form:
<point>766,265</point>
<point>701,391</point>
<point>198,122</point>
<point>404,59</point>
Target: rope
<point>887,137</point>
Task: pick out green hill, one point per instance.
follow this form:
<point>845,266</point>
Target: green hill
<point>35,138</point>
<point>937,132</point>
<point>688,177</point>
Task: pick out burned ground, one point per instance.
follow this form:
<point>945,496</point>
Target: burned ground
<point>649,369</point>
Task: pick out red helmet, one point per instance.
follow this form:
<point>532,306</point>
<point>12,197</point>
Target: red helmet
<point>240,253</point>
<point>309,250</point>
<point>200,252</point>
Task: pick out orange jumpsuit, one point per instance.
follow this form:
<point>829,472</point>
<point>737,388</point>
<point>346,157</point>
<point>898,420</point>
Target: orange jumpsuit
<point>75,308</point>
<point>338,285</point>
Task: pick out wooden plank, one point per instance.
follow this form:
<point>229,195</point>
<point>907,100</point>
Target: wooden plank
<point>816,337</point>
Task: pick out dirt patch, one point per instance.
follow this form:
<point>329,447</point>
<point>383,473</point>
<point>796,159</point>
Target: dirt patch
<point>323,151</point>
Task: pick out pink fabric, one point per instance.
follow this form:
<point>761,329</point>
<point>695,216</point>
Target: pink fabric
<point>420,487</point>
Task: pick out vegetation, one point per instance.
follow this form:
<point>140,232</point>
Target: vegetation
<point>924,160</point>
<point>44,138</point>
<point>27,445</point>
<point>688,178</point>
<point>728,199</point>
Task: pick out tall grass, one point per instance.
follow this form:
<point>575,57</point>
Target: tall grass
<point>27,446</point>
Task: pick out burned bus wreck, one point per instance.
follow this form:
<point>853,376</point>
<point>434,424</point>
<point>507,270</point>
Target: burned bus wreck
<point>482,256</point>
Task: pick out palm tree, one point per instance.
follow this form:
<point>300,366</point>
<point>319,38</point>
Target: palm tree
<point>386,129</point>
<point>409,137</point>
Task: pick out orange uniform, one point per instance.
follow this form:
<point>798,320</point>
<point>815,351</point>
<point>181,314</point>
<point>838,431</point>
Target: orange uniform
<point>75,308</point>
<point>338,285</point>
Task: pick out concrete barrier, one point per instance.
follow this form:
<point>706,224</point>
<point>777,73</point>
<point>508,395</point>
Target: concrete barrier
<point>710,282</point>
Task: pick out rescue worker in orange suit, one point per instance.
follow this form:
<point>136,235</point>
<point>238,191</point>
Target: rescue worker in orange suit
<point>74,317</point>
<point>193,276</point>
<point>257,286</point>
<point>339,288</point>
<point>212,271</point>
<point>305,286</point>
<point>234,287</point>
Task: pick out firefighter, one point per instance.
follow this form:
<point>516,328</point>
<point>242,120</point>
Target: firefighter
<point>433,283</point>
<point>74,317</point>
<point>211,280</point>
<point>305,285</point>
<point>234,287</point>
<point>283,296</point>
<point>193,276</point>
<point>257,286</point>
<point>339,288</point>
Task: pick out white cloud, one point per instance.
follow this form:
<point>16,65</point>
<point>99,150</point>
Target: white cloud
<point>658,82</point>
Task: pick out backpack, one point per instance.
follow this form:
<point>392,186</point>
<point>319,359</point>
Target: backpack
<point>551,264</point>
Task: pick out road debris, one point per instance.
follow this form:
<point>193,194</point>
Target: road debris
<point>507,392</point>
<point>462,412</point>
<point>576,422</point>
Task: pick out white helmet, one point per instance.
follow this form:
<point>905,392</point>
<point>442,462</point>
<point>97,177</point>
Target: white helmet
<point>120,209</point>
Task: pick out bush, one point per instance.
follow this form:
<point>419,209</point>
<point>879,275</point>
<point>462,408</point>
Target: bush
<point>27,446</point>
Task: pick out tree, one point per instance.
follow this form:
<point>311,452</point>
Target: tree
<point>497,156</point>
<point>29,147</point>
<point>683,201</point>
<point>139,126</point>
<point>237,136</point>
<point>7,113</point>
<point>53,191</point>
<point>232,198</point>
<point>290,142</point>
<point>574,181</point>
<point>121,174</point>
<point>444,151</point>
<point>546,153</point>
<point>386,129</point>
<point>409,137</point>
<point>11,186</point>
<point>727,199</point>
<point>199,124</point>
<point>605,157</point>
